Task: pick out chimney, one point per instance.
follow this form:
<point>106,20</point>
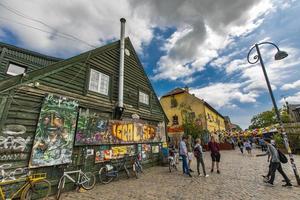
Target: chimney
<point>120,108</point>
<point>186,88</point>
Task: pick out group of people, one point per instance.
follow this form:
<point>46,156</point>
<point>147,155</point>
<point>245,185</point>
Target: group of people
<point>186,152</point>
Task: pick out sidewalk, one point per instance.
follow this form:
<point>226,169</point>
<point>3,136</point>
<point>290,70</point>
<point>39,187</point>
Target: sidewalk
<point>240,179</point>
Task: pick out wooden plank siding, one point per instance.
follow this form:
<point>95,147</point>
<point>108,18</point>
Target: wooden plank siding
<point>31,60</point>
<point>70,78</point>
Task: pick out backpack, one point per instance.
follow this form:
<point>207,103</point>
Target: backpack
<point>197,152</point>
<point>282,157</point>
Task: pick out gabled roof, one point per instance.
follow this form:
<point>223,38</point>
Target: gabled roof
<point>174,92</point>
<point>26,51</point>
<point>12,82</point>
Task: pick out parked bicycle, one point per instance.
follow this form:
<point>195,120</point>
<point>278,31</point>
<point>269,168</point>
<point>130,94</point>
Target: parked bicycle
<point>33,186</point>
<point>172,158</point>
<point>137,165</point>
<point>109,172</point>
<point>85,180</point>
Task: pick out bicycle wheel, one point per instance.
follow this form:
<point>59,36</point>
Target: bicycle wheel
<point>37,190</point>
<point>27,193</point>
<point>88,181</point>
<point>60,187</point>
<point>104,177</point>
<point>127,172</point>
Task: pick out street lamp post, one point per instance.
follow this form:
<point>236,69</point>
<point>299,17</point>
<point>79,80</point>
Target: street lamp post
<point>278,56</point>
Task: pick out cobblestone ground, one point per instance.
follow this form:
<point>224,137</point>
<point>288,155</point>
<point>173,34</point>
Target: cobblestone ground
<point>240,178</point>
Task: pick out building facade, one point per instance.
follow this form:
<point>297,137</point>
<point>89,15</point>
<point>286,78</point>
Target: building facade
<point>178,102</point>
<point>65,113</point>
<point>294,112</point>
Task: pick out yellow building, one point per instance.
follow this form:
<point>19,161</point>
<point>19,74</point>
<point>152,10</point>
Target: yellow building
<point>178,102</point>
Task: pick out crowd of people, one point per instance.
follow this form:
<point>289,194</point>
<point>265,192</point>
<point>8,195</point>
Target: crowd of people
<point>187,151</point>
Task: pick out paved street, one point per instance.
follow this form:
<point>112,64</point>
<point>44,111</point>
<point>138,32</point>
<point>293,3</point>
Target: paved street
<point>240,178</point>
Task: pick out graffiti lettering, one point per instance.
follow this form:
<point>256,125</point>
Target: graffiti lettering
<point>13,141</point>
<point>14,156</point>
<point>131,132</point>
<point>6,175</point>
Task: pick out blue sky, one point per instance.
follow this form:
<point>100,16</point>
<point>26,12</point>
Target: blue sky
<point>199,43</point>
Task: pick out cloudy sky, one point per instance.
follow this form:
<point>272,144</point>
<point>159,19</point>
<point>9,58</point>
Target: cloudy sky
<point>199,43</point>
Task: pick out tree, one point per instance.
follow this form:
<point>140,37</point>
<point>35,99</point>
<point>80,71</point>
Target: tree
<point>268,118</point>
<point>191,123</point>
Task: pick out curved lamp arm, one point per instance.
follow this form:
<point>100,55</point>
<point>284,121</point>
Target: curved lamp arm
<point>255,57</point>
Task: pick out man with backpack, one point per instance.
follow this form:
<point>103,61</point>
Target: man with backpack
<point>276,158</point>
<point>198,153</point>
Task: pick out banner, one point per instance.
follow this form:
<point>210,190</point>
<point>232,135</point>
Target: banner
<point>53,143</point>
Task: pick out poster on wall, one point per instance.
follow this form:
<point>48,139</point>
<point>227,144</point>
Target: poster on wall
<point>155,148</point>
<point>54,137</point>
<point>146,151</point>
<point>103,153</point>
<point>120,151</point>
<point>92,128</point>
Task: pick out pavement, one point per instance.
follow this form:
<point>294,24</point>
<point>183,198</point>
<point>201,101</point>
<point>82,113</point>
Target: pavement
<point>240,179</point>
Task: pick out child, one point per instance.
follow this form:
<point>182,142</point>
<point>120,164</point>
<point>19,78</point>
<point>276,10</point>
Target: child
<point>241,146</point>
<point>198,153</point>
<point>248,146</point>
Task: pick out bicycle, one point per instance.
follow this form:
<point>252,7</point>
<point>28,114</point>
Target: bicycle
<point>34,187</point>
<point>109,172</point>
<point>85,180</point>
<point>172,160</point>
<point>137,165</point>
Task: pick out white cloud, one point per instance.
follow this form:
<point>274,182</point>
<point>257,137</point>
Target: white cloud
<point>288,86</point>
<point>224,94</point>
<point>95,22</point>
<point>293,99</point>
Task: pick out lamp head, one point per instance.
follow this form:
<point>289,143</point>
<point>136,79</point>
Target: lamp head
<point>280,55</point>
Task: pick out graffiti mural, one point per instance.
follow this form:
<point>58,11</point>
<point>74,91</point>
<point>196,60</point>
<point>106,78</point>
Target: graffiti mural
<point>13,139</point>
<point>91,128</point>
<point>6,174</point>
<point>53,143</point>
<point>120,151</point>
<point>134,131</point>
<point>146,151</point>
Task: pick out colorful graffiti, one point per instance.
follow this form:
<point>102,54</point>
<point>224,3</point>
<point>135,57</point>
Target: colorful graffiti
<point>146,151</point>
<point>53,143</point>
<point>6,174</point>
<point>104,153</point>
<point>134,131</point>
<point>91,128</point>
<point>13,139</point>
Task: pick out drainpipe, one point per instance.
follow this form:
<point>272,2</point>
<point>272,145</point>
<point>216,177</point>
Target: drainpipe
<point>120,107</point>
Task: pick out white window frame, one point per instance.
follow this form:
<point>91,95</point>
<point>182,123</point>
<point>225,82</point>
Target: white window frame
<point>143,98</point>
<point>102,79</point>
<point>10,71</point>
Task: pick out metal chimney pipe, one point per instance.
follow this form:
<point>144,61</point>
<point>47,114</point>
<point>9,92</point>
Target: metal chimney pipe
<point>121,69</point>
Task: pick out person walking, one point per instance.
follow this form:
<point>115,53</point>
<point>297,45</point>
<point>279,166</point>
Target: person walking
<point>248,146</point>
<point>198,153</point>
<point>190,152</point>
<point>215,154</point>
<point>241,146</point>
<point>183,154</point>
<point>275,165</point>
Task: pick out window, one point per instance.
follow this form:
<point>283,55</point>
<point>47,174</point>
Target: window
<point>143,98</point>
<point>99,82</point>
<point>173,102</point>
<point>15,70</point>
<point>175,120</point>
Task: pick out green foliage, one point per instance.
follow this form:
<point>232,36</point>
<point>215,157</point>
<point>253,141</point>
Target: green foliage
<point>268,118</point>
<point>278,140</point>
<point>191,123</point>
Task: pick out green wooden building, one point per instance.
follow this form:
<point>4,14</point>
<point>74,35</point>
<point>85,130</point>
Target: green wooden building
<point>69,106</point>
